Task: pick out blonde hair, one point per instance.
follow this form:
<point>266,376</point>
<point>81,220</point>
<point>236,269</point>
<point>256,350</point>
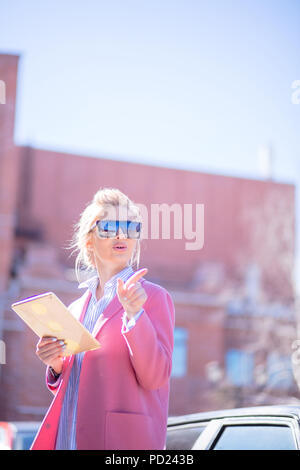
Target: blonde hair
<point>103,199</point>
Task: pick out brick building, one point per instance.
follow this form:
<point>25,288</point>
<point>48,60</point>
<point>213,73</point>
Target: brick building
<point>234,297</point>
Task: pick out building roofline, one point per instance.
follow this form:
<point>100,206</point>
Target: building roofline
<point>131,159</point>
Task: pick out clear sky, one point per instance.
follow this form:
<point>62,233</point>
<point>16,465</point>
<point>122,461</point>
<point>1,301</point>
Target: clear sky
<point>188,84</point>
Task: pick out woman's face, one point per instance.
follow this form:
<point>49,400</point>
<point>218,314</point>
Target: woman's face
<point>102,249</point>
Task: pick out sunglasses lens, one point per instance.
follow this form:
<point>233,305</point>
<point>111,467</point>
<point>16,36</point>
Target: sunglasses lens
<point>109,228</point>
<point>134,230</point>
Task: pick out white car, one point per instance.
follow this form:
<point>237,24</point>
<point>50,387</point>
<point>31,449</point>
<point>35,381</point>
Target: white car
<point>253,428</point>
<point>17,435</point>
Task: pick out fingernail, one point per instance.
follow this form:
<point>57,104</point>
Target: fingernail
<point>61,342</point>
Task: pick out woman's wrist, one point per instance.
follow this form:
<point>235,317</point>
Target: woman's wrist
<point>57,367</point>
<point>131,315</point>
<point>54,373</point>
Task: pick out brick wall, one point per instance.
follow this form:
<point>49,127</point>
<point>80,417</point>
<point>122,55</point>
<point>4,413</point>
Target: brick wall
<point>8,164</point>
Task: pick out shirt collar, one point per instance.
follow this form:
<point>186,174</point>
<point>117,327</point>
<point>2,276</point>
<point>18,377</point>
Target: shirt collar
<point>92,282</point>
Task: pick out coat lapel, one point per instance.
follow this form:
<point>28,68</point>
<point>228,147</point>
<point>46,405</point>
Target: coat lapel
<point>78,309</point>
<point>79,306</point>
<point>112,309</point>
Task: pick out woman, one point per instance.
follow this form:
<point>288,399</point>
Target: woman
<point>115,397</point>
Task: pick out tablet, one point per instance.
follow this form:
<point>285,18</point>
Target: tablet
<point>46,315</point>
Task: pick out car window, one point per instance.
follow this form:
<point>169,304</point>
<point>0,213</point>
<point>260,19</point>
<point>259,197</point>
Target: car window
<point>255,437</point>
<point>183,438</point>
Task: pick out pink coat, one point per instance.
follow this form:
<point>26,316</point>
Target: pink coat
<point>123,392</point>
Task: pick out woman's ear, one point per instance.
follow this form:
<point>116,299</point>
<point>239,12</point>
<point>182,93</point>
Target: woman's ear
<point>89,241</point>
<point>90,254</point>
<point>89,248</point>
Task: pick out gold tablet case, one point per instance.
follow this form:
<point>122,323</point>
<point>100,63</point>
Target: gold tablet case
<point>46,315</point>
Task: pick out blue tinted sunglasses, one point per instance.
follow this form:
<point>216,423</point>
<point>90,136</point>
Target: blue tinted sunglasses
<point>109,228</point>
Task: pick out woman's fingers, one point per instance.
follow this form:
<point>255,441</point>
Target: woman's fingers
<point>47,345</point>
<point>126,293</point>
<point>136,276</point>
<point>132,289</point>
<point>47,340</point>
<point>122,286</point>
<point>136,298</point>
<point>50,351</point>
<point>45,349</point>
<point>52,355</point>
<point>48,348</point>
<point>131,293</point>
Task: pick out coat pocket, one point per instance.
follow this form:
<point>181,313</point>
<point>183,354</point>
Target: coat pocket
<point>129,431</point>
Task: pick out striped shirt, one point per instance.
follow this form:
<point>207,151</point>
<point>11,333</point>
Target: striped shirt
<point>66,436</point>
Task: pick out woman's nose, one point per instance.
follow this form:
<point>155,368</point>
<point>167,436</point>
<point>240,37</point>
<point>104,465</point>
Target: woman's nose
<point>121,234</point>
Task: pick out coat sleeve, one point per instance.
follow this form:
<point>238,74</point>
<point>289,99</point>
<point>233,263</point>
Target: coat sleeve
<point>151,341</point>
<point>51,383</point>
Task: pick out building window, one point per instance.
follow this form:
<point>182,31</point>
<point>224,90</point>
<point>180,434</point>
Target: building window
<point>239,367</point>
<point>179,367</point>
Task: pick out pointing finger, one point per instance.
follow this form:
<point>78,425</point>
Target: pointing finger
<point>136,276</point>
<point>120,286</point>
